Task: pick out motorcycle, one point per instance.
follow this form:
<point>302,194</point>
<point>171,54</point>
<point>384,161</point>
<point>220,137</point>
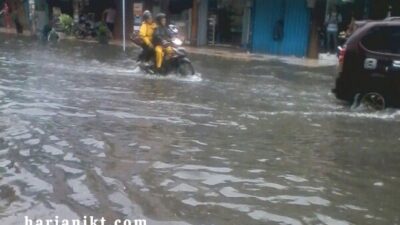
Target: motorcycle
<point>51,32</point>
<point>175,61</point>
<point>85,28</point>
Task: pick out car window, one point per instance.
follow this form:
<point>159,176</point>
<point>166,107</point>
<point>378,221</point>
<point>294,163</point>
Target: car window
<point>394,41</point>
<point>376,39</point>
<point>385,39</point>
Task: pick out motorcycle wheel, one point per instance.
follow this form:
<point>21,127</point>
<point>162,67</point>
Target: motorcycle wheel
<point>53,37</point>
<point>185,69</point>
<point>79,34</point>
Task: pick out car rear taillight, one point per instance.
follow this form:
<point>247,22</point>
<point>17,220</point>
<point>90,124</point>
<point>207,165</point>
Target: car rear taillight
<point>342,53</point>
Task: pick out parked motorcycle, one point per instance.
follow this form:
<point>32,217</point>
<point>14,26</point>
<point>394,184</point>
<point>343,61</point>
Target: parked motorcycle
<point>176,61</point>
<point>50,32</point>
<point>85,28</point>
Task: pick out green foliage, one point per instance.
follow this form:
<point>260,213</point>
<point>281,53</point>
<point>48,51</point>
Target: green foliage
<point>102,30</point>
<point>103,34</point>
<point>66,23</point>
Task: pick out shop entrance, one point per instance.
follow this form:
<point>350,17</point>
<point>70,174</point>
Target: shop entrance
<point>66,7</point>
<point>228,22</point>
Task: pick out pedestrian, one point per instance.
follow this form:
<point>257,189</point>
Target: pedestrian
<point>332,28</point>
<point>5,11</point>
<point>17,23</point>
<point>109,17</point>
<point>352,27</point>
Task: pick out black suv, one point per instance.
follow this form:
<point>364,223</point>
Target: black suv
<point>369,64</point>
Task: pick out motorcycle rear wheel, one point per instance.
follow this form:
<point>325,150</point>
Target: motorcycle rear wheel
<point>185,69</point>
<point>79,34</point>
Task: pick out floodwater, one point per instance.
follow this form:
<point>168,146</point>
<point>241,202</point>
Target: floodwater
<point>82,133</point>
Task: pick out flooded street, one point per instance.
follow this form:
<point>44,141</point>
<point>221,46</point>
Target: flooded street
<point>82,132</point>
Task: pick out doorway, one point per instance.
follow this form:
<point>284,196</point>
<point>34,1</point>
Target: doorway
<point>228,22</point>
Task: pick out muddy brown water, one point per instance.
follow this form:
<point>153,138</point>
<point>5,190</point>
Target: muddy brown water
<point>82,132</point>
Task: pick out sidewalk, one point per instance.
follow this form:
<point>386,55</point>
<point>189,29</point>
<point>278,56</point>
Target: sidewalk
<point>236,54</point>
<point>12,31</point>
<point>324,59</point>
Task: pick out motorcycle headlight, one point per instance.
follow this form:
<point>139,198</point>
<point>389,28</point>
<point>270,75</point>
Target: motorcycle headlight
<point>177,42</point>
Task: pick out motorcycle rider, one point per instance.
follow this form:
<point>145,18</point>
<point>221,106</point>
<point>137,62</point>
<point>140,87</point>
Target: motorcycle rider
<point>161,36</point>
<point>146,35</point>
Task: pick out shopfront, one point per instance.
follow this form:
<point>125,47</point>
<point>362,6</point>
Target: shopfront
<point>180,14</point>
<point>94,9</point>
<point>281,27</point>
<point>64,6</point>
<point>365,9</point>
<point>19,8</point>
<point>229,22</point>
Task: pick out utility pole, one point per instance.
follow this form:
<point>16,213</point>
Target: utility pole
<point>195,19</point>
<point>313,49</point>
<point>123,25</point>
<point>32,16</point>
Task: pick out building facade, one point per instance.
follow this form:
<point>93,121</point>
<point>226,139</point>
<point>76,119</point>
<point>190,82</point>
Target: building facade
<point>278,27</point>
<point>223,22</point>
<point>281,27</point>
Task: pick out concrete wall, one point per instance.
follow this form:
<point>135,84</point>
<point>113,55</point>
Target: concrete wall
<point>202,22</point>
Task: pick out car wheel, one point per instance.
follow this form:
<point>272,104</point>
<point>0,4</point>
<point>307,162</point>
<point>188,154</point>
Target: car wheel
<point>373,101</point>
<point>79,34</point>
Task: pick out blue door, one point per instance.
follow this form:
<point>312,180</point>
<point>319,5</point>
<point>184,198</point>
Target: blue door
<point>295,17</point>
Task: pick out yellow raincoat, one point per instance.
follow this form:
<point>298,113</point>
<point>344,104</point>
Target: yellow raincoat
<point>146,33</point>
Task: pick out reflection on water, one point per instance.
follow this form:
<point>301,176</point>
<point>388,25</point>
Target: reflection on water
<point>82,132</point>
